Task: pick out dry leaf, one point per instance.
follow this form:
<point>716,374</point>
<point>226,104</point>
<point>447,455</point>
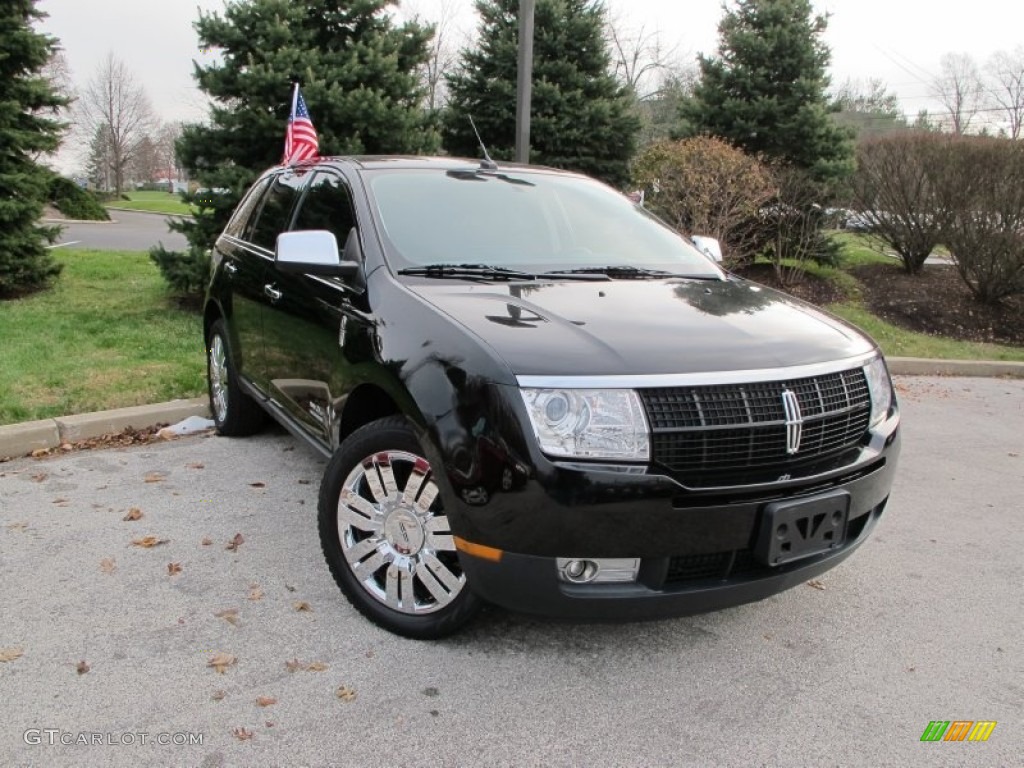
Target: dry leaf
<point>154,477</point>
<point>148,542</point>
<point>10,654</point>
<point>108,565</point>
<point>316,666</point>
<point>816,584</point>
<point>133,514</point>
<point>269,724</point>
<point>221,662</point>
<point>61,500</point>
<point>346,694</point>
<point>82,667</point>
<point>265,701</point>
<point>195,465</point>
<point>255,593</point>
<point>230,616</point>
<point>235,543</point>
<point>38,453</point>
<point>289,587</point>
<point>258,484</point>
<point>206,542</point>
<point>303,607</point>
<point>293,666</point>
<point>242,734</point>
<point>39,477</point>
<point>173,569</point>
<point>67,447</point>
<point>17,526</point>
<point>218,695</point>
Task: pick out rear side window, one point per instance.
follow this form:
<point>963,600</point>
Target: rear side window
<point>327,205</point>
<point>244,212</point>
<point>276,212</point>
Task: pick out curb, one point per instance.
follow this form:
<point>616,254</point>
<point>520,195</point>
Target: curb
<point>18,440</point>
<point>152,213</point>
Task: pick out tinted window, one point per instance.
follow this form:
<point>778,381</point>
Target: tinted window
<point>244,212</point>
<point>327,205</point>
<point>276,212</point>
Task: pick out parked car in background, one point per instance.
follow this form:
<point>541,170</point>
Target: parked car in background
<point>533,392</point>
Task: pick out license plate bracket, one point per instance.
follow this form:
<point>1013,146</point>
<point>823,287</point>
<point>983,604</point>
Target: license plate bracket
<point>793,530</point>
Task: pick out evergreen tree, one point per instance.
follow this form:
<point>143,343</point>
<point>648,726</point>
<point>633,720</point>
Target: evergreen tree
<point>765,91</point>
<point>582,118</point>
<point>358,74</point>
<point>28,128</point>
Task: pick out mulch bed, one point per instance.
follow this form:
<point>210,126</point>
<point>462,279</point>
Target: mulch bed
<point>935,302</point>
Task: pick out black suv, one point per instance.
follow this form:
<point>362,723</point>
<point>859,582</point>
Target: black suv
<point>533,392</point>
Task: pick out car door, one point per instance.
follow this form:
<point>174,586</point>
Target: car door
<point>306,327</point>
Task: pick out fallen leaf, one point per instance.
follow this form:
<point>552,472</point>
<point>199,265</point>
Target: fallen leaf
<point>173,569</point>
<point>17,526</point>
<point>61,500</point>
<point>229,615</point>
<point>218,695</point>
<point>108,565</point>
<point>206,542</point>
<point>133,514</point>
<point>235,543</point>
<point>10,654</point>
<point>195,465</point>
<point>39,477</point>
<point>258,484</point>
<point>148,542</point>
<point>265,701</point>
<point>221,662</point>
<point>289,587</point>
<point>346,694</point>
<point>293,666</point>
<point>38,453</point>
<point>242,734</point>
<point>67,447</point>
<point>82,667</point>
<point>431,691</point>
<point>816,584</point>
<point>154,477</point>
<point>268,724</point>
<point>255,593</point>
<point>303,607</point>
<point>316,666</point>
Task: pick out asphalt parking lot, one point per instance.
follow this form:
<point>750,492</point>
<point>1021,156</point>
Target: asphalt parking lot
<point>110,643</point>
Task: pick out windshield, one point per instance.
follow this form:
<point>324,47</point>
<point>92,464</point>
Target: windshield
<point>534,221</point>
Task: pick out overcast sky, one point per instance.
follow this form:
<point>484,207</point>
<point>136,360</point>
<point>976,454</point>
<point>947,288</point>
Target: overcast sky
<point>899,41</point>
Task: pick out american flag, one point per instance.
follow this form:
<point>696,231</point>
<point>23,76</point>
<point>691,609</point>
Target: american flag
<point>300,141</point>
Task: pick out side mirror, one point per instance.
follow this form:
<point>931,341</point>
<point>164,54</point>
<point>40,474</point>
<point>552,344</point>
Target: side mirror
<point>315,252</point>
<point>709,246</point>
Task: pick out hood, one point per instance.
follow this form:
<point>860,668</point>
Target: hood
<point>623,327</point>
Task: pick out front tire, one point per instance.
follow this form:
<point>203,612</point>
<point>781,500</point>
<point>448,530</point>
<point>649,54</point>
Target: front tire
<point>385,535</point>
<point>235,414</point>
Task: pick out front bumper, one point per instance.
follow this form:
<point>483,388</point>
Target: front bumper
<point>665,587</point>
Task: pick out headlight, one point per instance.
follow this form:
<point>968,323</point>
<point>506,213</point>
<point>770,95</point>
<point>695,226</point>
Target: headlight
<point>589,423</point>
<point>880,386</point>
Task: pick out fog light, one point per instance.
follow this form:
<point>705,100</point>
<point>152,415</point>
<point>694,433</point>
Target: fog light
<point>580,571</point>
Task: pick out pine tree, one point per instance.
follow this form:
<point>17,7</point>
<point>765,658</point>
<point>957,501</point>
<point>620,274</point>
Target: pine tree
<point>28,128</point>
<point>765,91</point>
<point>358,74</point>
<point>582,119</point>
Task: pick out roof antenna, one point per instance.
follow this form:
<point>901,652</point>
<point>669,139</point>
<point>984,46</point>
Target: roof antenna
<point>486,164</point>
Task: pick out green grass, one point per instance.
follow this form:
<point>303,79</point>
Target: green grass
<point>106,336</point>
<point>158,202</point>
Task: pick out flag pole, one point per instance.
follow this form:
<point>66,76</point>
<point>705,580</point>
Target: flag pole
<point>291,116</point>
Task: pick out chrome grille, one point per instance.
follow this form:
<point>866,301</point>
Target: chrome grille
<point>741,427</point>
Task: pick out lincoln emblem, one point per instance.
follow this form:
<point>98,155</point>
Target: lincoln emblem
<point>794,421</point>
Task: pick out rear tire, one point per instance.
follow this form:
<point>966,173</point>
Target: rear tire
<point>386,538</point>
<point>235,414</point>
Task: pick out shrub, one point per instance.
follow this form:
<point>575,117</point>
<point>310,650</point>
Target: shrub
<point>705,186</point>
<point>186,273</point>
<point>75,202</point>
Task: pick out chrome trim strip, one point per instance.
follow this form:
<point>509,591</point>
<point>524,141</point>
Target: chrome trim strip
<point>645,381</point>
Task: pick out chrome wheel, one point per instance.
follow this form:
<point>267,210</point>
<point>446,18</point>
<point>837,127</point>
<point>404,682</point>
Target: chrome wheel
<point>218,378</point>
<point>394,535</point>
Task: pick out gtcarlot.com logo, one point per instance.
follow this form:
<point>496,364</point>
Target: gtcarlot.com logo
<point>958,730</point>
<point>53,736</point>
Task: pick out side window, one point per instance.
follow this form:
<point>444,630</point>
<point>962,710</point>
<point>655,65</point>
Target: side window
<point>276,212</point>
<point>243,213</point>
<point>327,205</point>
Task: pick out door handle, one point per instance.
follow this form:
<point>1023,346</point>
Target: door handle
<point>230,268</point>
<point>272,292</point>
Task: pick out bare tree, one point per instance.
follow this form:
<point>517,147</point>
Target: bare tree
<point>1006,78</point>
<point>443,50</point>
<point>114,103</point>
<point>640,56</point>
<point>960,89</point>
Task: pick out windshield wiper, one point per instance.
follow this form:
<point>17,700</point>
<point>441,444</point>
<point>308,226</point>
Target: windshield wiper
<point>468,270</point>
<point>627,272</point>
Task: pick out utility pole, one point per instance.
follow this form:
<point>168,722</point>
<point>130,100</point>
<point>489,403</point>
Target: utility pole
<point>524,80</point>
